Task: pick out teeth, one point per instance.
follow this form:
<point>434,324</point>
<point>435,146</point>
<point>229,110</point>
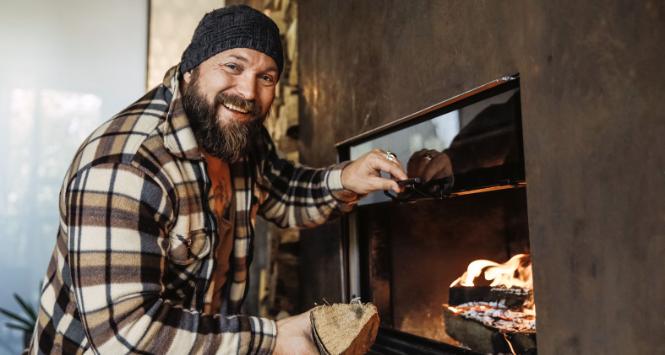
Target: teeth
<point>235,108</point>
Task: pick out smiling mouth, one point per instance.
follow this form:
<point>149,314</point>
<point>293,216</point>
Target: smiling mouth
<point>235,108</point>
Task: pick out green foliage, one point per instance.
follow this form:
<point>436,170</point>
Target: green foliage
<point>24,322</point>
<point>32,315</point>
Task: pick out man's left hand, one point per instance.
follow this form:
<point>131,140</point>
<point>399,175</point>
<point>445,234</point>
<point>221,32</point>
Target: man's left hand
<point>363,175</point>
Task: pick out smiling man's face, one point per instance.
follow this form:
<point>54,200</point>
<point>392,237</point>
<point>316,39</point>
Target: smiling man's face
<point>227,98</point>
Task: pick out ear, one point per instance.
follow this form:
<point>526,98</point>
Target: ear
<point>187,76</point>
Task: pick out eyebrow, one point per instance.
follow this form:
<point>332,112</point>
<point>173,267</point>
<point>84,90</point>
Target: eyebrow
<point>271,68</point>
<point>239,57</point>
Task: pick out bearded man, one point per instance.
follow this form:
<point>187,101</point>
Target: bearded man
<point>158,206</point>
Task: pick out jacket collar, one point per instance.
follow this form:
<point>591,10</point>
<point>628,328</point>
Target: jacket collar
<point>178,135</point>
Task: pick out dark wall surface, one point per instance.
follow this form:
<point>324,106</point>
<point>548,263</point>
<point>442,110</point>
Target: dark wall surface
<point>593,89</point>
<point>320,263</point>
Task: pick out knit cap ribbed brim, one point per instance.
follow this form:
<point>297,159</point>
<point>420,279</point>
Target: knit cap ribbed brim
<point>237,26</point>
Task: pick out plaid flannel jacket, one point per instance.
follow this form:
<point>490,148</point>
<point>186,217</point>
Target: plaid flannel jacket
<point>133,259</point>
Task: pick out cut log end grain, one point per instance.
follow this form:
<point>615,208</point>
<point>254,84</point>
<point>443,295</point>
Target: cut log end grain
<point>348,329</point>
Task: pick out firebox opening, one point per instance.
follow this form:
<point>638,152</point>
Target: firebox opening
<point>412,249</point>
<point>417,250</point>
<point>413,256</point>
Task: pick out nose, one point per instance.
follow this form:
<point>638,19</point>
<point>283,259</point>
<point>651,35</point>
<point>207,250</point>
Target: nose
<point>246,86</point>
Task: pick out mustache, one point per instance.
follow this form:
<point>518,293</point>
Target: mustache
<point>251,106</point>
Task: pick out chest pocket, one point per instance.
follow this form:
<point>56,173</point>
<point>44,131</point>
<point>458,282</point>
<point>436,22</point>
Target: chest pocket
<point>186,249</point>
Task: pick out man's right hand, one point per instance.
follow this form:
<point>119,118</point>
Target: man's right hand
<point>294,336</point>
<point>363,175</point>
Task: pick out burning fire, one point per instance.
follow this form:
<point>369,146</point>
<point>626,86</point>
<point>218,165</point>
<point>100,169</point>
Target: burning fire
<point>514,272</point>
<point>511,277</point>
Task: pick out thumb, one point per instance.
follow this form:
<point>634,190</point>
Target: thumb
<point>379,183</point>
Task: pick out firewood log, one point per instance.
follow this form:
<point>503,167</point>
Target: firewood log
<point>347,329</point>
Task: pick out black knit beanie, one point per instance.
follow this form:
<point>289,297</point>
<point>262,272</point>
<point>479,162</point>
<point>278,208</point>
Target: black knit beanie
<point>237,26</point>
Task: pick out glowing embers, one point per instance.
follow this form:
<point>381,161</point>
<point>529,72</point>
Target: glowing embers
<point>498,315</point>
<point>496,312</point>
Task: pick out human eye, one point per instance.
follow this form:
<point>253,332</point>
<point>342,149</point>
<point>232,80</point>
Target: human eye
<point>268,79</point>
<point>232,67</point>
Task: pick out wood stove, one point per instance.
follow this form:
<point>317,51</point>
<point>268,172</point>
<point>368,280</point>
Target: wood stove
<point>403,252</point>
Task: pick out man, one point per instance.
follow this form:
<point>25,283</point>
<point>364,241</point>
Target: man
<point>157,209</point>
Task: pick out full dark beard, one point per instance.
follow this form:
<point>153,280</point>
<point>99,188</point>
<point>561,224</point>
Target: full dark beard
<point>229,142</point>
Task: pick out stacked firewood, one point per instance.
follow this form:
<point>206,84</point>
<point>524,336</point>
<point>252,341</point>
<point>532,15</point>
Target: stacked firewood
<point>492,319</point>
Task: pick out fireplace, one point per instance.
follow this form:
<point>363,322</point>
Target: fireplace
<point>403,252</point>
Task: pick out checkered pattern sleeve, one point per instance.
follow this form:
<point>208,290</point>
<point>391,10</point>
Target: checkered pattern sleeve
<point>300,196</point>
<point>117,220</point>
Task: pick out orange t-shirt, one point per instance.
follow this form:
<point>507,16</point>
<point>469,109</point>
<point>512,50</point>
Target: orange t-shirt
<point>220,199</point>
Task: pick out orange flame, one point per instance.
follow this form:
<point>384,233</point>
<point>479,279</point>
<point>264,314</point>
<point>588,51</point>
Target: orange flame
<point>514,272</point>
